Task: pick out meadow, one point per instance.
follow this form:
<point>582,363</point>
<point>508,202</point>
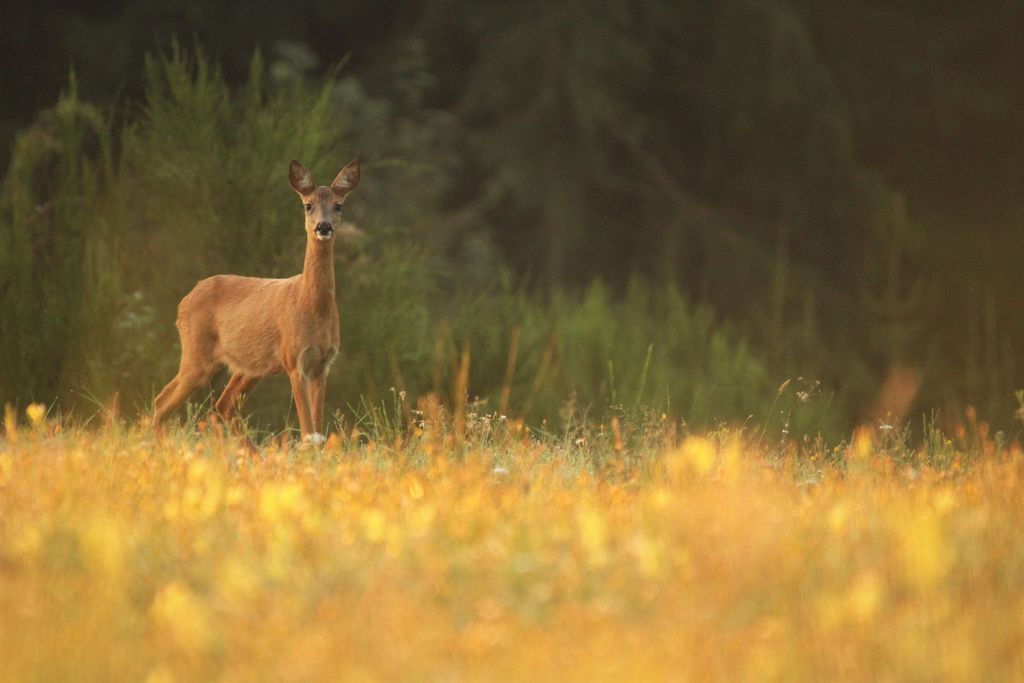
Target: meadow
<point>597,478</point>
<point>471,548</point>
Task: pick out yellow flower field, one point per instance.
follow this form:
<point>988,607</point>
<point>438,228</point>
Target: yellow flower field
<point>126,559</point>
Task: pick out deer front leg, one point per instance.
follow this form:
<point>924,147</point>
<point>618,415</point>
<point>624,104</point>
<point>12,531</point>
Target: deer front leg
<point>300,392</point>
<point>314,363</point>
<point>317,389</point>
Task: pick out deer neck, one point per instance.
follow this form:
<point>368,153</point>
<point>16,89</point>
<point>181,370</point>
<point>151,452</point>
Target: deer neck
<point>317,289</point>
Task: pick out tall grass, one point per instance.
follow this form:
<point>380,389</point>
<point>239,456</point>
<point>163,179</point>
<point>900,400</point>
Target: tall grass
<point>646,349</point>
<point>704,558</point>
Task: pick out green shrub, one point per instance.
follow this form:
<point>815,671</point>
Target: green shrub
<point>56,255</point>
<point>648,349</point>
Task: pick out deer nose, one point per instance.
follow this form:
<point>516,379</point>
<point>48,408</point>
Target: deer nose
<point>324,230</point>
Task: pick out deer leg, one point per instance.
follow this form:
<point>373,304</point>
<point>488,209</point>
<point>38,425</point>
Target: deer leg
<point>230,402</point>
<point>175,393</point>
<point>317,389</point>
<point>225,406</point>
<point>161,403</point>
<point>300,392</point>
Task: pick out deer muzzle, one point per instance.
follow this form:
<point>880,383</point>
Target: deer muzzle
<point>324,231</point>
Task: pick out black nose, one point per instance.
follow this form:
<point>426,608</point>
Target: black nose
<point>324,227</point>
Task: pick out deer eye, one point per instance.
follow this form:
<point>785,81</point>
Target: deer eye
<point>309,207</point>
<point>337,207</point>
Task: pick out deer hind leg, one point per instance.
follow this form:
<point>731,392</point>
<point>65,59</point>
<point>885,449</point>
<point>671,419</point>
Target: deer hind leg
<point>234,395</point>
<point>176,391</point>
<point>230,402</point>
<point>195,369</point>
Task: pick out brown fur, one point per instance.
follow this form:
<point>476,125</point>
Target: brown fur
<point>263,326</point>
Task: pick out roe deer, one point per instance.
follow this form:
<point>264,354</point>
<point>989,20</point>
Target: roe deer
<point>262,326</point>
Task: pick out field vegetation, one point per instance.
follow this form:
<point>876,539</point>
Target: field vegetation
<point>636,338</point>
<point>469,548</point>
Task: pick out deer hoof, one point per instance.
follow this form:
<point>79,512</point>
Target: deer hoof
<point>314,439</point>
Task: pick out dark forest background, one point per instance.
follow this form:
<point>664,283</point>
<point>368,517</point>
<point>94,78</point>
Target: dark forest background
<point>600,205</point>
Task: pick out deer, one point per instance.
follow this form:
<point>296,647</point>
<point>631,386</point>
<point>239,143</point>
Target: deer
<point>258,327</point>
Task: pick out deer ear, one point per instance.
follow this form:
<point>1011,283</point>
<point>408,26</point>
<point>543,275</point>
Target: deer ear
<point>347,179</point>
<point>299,177</point>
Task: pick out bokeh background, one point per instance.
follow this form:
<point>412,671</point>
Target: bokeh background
<point>799,213</point>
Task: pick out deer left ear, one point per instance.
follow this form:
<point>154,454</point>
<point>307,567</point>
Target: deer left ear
<point>347,178</point>
<point>300,179</point>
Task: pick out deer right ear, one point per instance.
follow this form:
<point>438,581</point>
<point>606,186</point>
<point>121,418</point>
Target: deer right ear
<point>347,179</point>
<point>300,178</point>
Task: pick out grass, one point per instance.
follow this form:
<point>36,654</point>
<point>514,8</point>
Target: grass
<point>623,551</point>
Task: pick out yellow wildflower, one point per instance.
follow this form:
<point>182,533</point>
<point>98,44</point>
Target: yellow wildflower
<point>36,413</point>
<point>183,617</point>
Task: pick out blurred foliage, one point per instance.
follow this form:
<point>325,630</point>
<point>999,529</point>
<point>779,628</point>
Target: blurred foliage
<point>56,286</point>
<point>199,187</point>
<point>839,180</point>
<point>402,556</point>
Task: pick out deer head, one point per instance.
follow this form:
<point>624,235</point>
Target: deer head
<point>323,204</point>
